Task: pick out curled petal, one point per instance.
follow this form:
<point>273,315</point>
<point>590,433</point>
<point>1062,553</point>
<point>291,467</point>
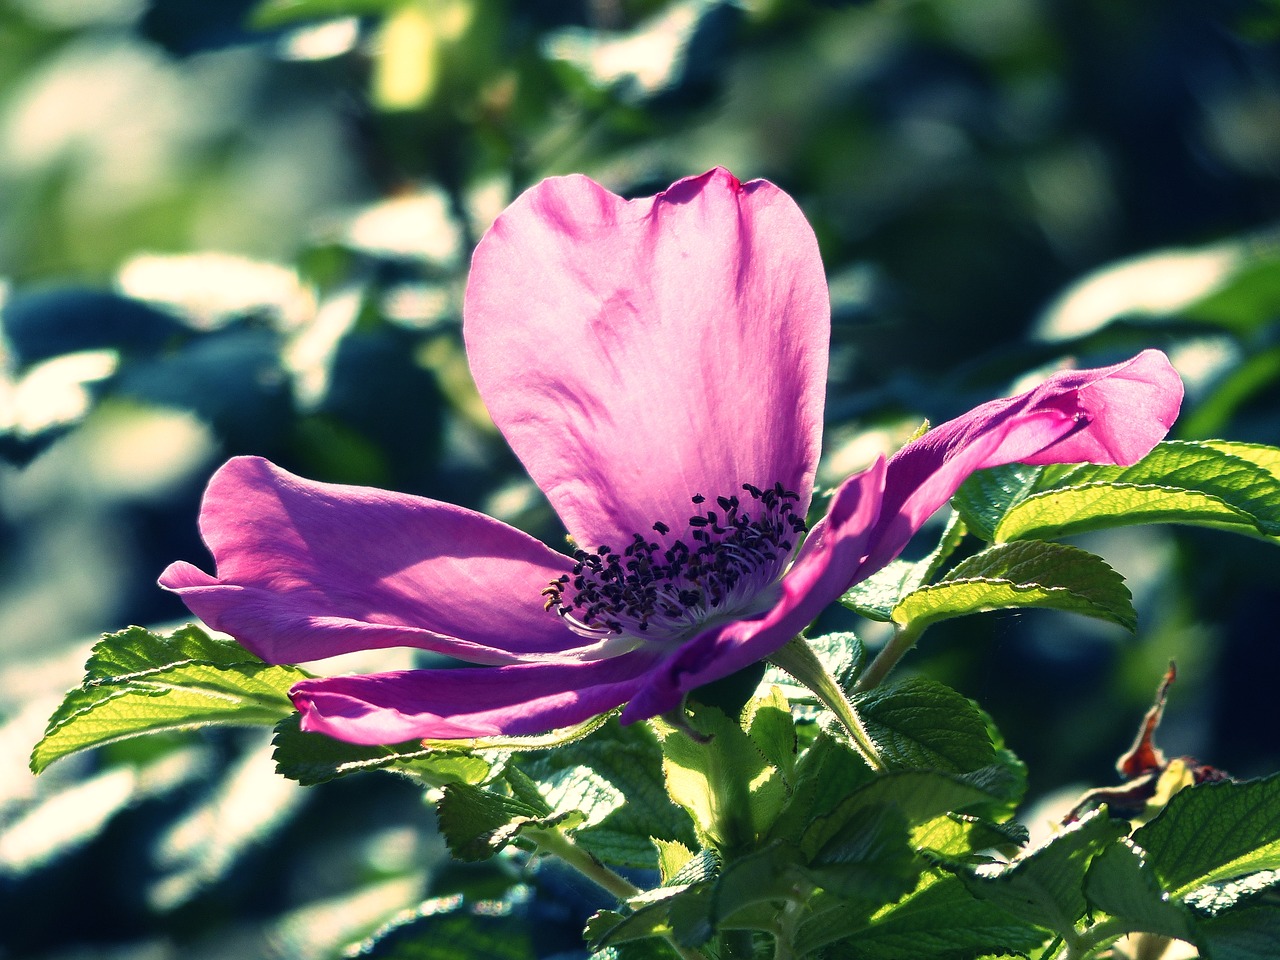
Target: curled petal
<point>1110,414</point>
<point>309,570</point>
<point>818,577</point>
<point>469,702</point>
<point>635,353</point>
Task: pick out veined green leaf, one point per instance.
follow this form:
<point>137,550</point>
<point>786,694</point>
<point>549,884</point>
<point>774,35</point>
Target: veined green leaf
<point>1044,886</point>
<point>615,779</point>
<point>940,918</point>
<point>139,682</point>
<point>478,823</point>
<point>1213,832</point>
<point>876,597</point>
<point>920,724</point>
<point>311,758</point>
<point>1025,574</point>
<point>1120,883</point>
<point>1233,486</point>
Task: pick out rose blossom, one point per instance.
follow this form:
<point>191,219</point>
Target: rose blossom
<point>659,367</point>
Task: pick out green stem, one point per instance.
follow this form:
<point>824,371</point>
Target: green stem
<point>559,844</point>
<point>798,659</point>
<point>903,639</point>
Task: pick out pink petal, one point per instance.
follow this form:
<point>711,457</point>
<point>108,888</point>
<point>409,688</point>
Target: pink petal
<point>818,577</point>
<point>1111,414</point>
<point>513,700</point>
<point>308,570</point>
<point>635,353</point>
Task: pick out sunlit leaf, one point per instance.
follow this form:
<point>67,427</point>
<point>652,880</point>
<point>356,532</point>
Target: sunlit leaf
<point>1178,482</point>
<point>138,682</point>
<point>1213,832</point>
<point>1049,576</point>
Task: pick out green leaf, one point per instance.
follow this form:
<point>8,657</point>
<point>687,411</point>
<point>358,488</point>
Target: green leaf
<point>138,682</point>
<point>681,911</point>
<point>875,597</point>
<point>312,758</point>
<point>1178,482</point>
<point>1120,883</point>
<point>478,823</point>
<point>827,772</point>
<point>939,919</point>
<point>768,722</point>
<point>919,795</point>
<point>622,819</point>
<point>1218,897</point>
<point>1044,887</point>
<point>869,861</point>
<point>724,782</point>
<point>1252,933</point>
<point>1213,832</point>
<point>1032,573</point>
<point>449,928</point>
<point>921,724</point>
<point>954,837</point>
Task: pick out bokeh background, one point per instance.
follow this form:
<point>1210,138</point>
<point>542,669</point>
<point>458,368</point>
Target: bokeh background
<point>243,227</point>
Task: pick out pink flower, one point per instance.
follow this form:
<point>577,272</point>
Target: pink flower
<point>659,367</point>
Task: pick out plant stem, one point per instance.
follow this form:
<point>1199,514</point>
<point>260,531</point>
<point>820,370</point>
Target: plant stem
<point>903,639</point>
<point>798,659</point>
<point>559,844</point>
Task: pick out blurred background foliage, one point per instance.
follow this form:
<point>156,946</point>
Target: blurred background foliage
<point>243,227</point>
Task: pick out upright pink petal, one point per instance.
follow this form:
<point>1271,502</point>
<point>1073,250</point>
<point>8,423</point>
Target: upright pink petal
<point>308,570</point>
<point>1110,414</point>
<point>635,353</point>
<point>468,702</point>
<point>818,577</point>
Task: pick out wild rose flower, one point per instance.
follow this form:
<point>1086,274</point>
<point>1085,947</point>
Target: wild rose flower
<point>659,367</point>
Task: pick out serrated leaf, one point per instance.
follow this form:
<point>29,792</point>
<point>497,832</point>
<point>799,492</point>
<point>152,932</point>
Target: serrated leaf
<point>1178,482</point>
<point>768,722</point>
<point>1034,573</point>
<point>869,862</point>
<point>827,772</point>
<point>450,928</point>
<point>1044,887</point>
<point>478,823</point>
<point>919,795</point>
<point>939,919</point>
<point>312,758</point>
<point>679,911</point>
<point>1120,883</point>
<point>954,836</point>
<point>630,761</point>
<point>1251,933</point>
<point>732,793</point>
<point>1217,897</point>
<point>1213,832</point>
<point>920,724</point>
<point>673,856</point>
<point>875,597</point>
<point>138,682</point>
<point>522,744</point>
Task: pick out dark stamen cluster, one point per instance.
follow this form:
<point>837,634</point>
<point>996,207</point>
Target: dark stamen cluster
<point>672,585</point>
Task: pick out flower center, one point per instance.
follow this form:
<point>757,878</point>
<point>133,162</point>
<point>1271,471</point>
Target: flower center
<point>666,587</point>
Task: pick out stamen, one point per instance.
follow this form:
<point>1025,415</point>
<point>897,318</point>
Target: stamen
<point>665,591</point>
